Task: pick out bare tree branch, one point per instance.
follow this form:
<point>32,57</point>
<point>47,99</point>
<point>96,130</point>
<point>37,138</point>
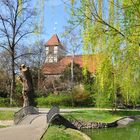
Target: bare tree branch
<point>7,35</point>
<point>25,54</point>
<point>2,46</point>
<point>23,35</point>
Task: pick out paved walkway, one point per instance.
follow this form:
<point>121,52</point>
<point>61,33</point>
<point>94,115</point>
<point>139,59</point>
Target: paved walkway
<point>44,110</point>
<point>31,127</point>
<point>6,122</point>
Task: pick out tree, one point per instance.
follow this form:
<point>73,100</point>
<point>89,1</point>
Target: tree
<point>38,61</point>
<point>74,45</point>
<point>78,77</point>
<point>15,24</point>
<point>113,33</point>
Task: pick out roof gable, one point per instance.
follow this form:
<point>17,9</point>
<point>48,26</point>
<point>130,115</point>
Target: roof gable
<point>53,41</point>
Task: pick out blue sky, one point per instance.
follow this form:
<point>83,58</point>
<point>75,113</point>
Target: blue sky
<point>55,18</point>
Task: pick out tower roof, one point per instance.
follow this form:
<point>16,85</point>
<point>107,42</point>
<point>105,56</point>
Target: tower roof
<point>53,41</point>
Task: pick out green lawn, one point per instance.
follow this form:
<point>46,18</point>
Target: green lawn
<point>1,126</point>
<point>6,115</point>
<point>60,133</point>
<point>99,116</point>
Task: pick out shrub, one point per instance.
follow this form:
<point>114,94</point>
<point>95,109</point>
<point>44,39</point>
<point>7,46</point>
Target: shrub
<point>51,100</point>
<point>17,97</point>
<point>3,94</point>
<point>77,97</point>
<point>81,97</point>
<point>4,102</point>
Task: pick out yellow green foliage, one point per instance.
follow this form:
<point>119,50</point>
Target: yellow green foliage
<point>114,34</point>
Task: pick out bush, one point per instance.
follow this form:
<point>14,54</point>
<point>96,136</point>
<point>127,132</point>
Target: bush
<point>51,100</point>
<point>77,97</point>
<point>81,97</point>
<point>17,97</point>
<point>4,102</point>
<point>3,94</point>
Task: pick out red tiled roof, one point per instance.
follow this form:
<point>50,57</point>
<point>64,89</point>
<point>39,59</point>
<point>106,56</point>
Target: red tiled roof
<point>54,41</point>
<point>88,61</point>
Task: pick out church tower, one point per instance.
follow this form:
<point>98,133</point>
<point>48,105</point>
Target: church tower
<point>54,50</point>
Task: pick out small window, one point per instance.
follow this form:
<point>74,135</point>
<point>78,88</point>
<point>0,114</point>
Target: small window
<point>51,50</point>
<point>56,48</point>
<point>55,52</point>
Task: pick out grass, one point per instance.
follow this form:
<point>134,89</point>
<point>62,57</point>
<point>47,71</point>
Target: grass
<point>99,116</point>
<point>60,133</point>
<point>6,115</point>
<point>3,126</point>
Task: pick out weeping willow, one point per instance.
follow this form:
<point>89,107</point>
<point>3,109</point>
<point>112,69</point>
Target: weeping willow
<point>111,30</point>
<point>20,4</point>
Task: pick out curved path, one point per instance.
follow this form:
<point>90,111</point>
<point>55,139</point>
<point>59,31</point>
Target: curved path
<point>32,127</point>
<point>43,110</point>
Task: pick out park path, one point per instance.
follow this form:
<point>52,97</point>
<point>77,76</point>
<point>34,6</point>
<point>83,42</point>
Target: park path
<point>61,110</point>
<point>32,127</point>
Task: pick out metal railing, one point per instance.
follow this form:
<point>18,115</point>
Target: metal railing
<point>54,111</point>
<point>19,115</point>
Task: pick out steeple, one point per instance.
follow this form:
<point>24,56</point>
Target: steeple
<point>53,41</point>
<point>54,49</point>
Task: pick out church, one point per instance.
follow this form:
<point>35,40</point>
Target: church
<point>57,59</point>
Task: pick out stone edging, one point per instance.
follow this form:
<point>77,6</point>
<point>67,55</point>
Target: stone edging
<point>91,125</point>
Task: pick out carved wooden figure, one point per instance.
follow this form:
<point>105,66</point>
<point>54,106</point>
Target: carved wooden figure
<point>27,90</point>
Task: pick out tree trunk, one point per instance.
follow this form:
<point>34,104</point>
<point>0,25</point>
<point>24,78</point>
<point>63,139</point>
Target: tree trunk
<point>27,91</point>
<point>72,70</point>
<point>38,79</point>
<point>13,84</point>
